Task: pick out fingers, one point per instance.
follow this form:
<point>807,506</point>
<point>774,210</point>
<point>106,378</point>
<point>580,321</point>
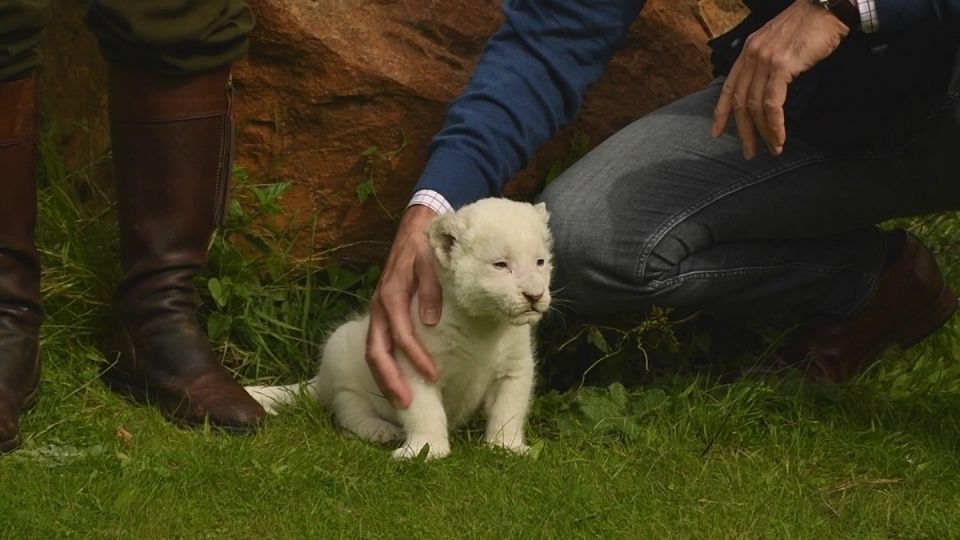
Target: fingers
<point>775,97</point>
<point>391,326</point>
<point>755,91</point>
<point>429,295</point>
<point>741,114</point>
<point>380,358</point>
<point>733,100</point>
<point>397,306</point>
<point>768,93</point>
<point>755,103</point>
<point>721,114</point>
<point>746,94</point>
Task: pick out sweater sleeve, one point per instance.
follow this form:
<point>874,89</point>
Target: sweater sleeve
<point>898,15</point>
<point>528,84</point>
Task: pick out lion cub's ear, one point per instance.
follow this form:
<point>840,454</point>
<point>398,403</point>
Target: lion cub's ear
<point>541,209</point>
<point>443,234</point>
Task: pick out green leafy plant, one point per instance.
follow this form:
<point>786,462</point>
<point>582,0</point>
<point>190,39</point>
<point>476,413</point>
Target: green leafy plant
<point>267,305</point>
<point>578,146</point>
<point>373,160</point>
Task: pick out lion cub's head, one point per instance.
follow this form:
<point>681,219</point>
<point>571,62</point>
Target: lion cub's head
<point>494,258</point>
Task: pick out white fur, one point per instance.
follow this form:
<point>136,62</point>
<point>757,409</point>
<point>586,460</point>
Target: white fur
<point>482,346</point>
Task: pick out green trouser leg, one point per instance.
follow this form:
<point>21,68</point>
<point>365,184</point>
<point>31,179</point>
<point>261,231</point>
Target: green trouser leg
<point>171,37</point>
<point>168,37</point>
<point>21,26</point>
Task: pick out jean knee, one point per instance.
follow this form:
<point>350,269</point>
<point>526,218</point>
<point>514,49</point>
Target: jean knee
<point>565,223</point>
<point>577,242</point>
<point>665,251</point>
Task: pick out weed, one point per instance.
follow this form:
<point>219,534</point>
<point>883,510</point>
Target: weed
<point>373,160</point>
<point>267,309</point>
<point>579,145</point>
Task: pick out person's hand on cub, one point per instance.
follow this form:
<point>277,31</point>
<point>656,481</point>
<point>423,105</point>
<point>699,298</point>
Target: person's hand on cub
<point>772,57</point>
<point>409,269</point>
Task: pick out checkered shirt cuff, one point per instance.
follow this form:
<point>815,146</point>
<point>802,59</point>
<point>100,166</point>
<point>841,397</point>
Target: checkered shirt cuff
<point>869,22</point>
<point>432,200</point>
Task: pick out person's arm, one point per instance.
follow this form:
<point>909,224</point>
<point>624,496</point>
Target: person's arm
<point>528,84</point>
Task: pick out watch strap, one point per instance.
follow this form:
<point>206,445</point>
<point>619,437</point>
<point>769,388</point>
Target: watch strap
<point>846,11</point>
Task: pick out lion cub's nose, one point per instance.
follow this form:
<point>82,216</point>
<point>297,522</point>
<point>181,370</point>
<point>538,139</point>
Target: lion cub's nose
<point>532,298</point>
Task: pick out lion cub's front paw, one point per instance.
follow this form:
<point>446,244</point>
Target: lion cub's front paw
<point>520,448</point>
<point>411,450</point>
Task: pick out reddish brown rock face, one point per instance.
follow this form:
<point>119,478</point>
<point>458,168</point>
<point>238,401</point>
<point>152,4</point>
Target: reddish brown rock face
<point>326,82</point>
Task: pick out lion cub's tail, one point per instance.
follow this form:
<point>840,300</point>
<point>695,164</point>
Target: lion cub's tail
<point>272,398</point>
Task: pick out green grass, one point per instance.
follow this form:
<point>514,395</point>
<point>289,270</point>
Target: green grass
<point>682,452</point>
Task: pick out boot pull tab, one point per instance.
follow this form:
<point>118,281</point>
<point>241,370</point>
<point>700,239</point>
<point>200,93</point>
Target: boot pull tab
<point>225,167</point>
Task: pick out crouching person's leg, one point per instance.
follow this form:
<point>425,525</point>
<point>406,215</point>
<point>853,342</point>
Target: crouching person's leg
<point>662,214</point>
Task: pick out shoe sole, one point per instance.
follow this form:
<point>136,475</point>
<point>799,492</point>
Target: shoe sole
<point>144,397</point>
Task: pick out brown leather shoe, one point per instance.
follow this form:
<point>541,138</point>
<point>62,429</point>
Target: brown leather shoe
<point>172,146</point>
<point>20,311</point>
<point>911,302</point>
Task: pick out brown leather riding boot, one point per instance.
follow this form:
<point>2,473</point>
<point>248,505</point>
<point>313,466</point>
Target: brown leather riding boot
<point>911,302</point>
<point>20,312</point>
<point>172,145</point>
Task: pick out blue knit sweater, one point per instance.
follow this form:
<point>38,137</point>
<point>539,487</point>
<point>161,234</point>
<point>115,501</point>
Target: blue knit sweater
<point>534,71</point>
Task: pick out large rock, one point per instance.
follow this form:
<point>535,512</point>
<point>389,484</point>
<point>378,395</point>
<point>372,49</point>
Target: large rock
<point>718,16</point>
<point>336,94</point>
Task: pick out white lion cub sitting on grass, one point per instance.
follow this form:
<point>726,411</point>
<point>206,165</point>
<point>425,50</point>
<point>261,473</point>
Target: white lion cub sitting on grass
<point>494,262</point>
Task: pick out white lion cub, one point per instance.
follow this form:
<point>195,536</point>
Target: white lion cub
<point>494,262</point>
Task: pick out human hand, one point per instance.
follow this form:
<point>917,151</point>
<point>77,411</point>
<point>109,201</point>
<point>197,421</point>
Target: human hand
<point>409,268</point>
<point>756,88</point>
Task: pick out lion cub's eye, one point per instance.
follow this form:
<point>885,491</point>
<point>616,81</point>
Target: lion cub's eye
<point>500,264</point>
<point>540,262</point>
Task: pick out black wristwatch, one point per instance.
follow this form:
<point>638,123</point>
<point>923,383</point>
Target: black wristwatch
<point>845,10</point>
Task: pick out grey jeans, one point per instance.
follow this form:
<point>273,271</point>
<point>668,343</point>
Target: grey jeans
<point>663,214</point>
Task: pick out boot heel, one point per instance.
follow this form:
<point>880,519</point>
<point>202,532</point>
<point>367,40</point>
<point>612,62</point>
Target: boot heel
<point>10,445</point>
<point>930,320</point>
